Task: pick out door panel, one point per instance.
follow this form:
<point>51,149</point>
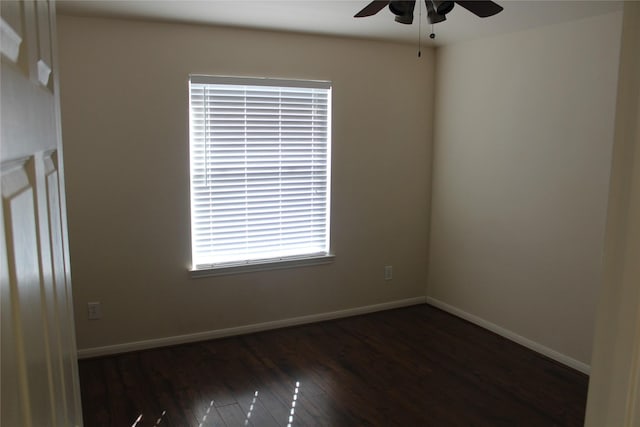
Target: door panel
<point>39,364</point>
<point>11,414</point>
<point>44,42</point>
<point>25,295</point>
<point>11,34</point>
<point>60,313</point>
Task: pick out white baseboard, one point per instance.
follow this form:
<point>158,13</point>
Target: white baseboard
<point>532,345</point>
<point>85,353</point>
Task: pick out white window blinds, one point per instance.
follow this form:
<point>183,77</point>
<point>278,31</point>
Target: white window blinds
<point>260,169</point>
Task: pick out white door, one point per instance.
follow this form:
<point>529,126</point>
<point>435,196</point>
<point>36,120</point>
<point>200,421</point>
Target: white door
<point>39,377</point>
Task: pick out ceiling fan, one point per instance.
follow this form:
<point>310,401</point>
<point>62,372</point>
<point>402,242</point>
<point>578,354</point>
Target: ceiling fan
<point>436,10</point>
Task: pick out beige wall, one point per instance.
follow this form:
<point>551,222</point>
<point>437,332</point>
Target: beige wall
<point>125,132</point>
<point>522,150</point>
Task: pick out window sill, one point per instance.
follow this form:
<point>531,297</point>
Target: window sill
<point>261,266</point>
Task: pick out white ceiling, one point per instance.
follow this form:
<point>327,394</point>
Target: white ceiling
<point>335,17</point>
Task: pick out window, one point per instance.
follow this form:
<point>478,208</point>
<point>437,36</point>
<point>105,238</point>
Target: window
<point>260,170</point>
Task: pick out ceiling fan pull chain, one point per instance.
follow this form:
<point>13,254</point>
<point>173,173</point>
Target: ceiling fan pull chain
<point>432,35</point>
<point>419,30</point>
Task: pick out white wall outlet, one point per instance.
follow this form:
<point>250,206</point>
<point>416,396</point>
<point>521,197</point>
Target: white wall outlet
<point>388,272</point>
<point>94,309</point>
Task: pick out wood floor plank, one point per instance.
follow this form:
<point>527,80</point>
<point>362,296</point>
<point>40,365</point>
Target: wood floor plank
<point>233,415</point>
<point>405,367</point>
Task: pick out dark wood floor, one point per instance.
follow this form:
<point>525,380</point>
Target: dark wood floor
<point>415,366</point>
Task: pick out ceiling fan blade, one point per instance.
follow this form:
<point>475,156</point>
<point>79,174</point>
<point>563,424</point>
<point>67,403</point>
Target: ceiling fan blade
<point>481,8</point>
<point>372,8</point>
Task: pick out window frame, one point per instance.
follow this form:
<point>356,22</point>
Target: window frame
<point>271,263</point>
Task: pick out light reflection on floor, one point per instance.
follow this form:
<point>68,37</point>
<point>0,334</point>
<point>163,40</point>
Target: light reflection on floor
<point>204,417</point>
<point>135,423</point>
<point>253,402</point>
<point>293,403</point>
<point>289,422</point>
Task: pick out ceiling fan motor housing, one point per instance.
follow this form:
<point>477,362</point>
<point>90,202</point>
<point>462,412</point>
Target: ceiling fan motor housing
<point>403,10</point>
<point>443,7</point>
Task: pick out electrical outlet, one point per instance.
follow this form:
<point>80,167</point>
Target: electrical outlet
<point>388,272</point>
<point>94,309</point>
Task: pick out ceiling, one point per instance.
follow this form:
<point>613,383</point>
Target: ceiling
<point>335,17</point>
